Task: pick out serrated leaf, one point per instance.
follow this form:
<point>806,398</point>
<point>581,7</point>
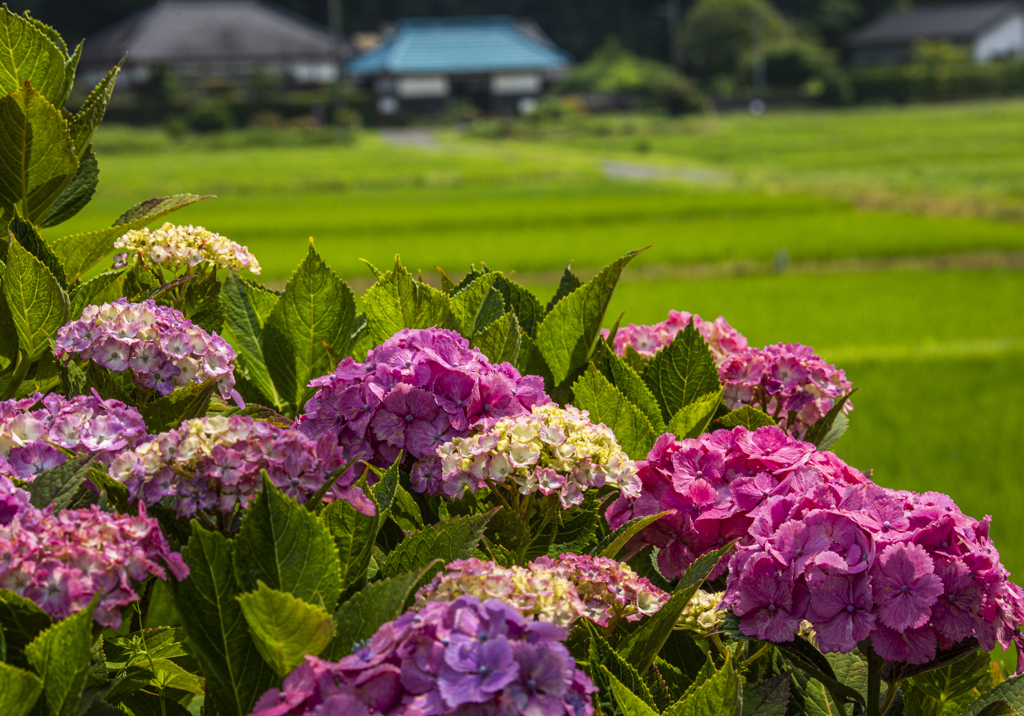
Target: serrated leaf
<point>282,544</point>
<point>721,695</point>
<point>812,662</point>
<point>951,682</point>
<point>611,545</point>
<point>998,708</point>
<point>604,662</point>
<point>943,658</point>
<point>810,696</point>
<point>19,691</point>
<point>852,670</point>
<point>824,433</point>
<point>682,372</point>
<point>361,616</point>
<point>769,697</point>
<point>630,384</point>
<point>531,361</point>
<point>629,703</point>
<point>246,308</point>
<point>187,402</point>
<point>673,682</point>
<point>38,305</point>
<point>61,655</point>
<point>606,404</point>
<point>576,530</point>
<point>77,194</point>
<point>568,283</point>
<point>1011,691</point>
<point>285,628</point>
<point>838,429</point>
<point>58,486</point>
<point>92,292</point>
<point>26,235</point>
<point>80,252</point>
<point>646,642</point>
<point>748,416</point>
<point>90,114</point>
<point>21,621</point>
<point>477,305</point>
<point>28,54</point>
<point>499,341</point>
<point>396,301</point>
<point>448,540</point>
<point>316,306</point>
<point>521,302</point>
<point>405,512</point>
<point>567,336</point>
<point>236,674</point>
<point>693,418</point>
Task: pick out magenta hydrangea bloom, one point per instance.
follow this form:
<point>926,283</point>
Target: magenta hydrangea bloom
<point>414,392</point>
<point>461,657</point>
<point>215,464</point>
<point>61,561</point>
<point>13,500</point>
<point>647,340</point>
<point>35,431</point>
<point>160,347</point>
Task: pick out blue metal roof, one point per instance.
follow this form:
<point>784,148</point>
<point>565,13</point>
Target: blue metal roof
<point>462,45</point>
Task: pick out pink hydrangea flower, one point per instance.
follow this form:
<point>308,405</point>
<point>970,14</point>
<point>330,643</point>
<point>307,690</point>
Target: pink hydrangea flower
<point>723,339</point>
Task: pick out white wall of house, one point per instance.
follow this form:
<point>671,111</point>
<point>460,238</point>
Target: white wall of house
<point>422,87</point>
<point>1006,38</point>
<point>516,83</point>
<point>315,72</point>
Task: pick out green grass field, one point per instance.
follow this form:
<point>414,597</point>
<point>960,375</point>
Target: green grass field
<point>935,352</point>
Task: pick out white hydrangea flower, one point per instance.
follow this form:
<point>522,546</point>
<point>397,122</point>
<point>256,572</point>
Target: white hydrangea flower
<point>174,247</point>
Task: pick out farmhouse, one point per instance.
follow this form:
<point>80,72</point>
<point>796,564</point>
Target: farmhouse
<point>216,42</point>
<point>498,63</point>
<point>991,30</point>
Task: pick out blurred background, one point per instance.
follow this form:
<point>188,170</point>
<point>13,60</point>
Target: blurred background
<point>847,174</point>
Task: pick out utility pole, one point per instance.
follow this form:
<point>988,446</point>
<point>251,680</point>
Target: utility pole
<point>675,49</point>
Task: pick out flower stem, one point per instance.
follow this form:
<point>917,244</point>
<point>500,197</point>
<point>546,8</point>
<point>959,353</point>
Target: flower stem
<point>20,371</point>
<point>875,664</point>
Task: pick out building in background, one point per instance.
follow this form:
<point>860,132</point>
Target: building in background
<point>216,44</point>
<point>991,30</point>
<point>498,63</point>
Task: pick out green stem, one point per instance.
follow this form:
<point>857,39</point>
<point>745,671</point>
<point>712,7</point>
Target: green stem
<point>21,367</point>
<point>889,694</point>
<point>755,656</point>
<point>875,664</point>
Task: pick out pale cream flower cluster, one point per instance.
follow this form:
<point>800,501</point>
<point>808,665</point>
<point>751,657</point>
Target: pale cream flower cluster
<point>174,247</point>
<point>701,614</point>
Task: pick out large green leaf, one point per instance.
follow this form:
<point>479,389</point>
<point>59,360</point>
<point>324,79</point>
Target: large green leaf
<point>283,544</point>
<point>80,252</point>
<point>448,540</point>
<point>608,405</point>
<point>613,543</point>
<point>682,372</point>
<point>185,403</point>
<point>58,486</point>
<point>568,283</point>
<point>721,695</point>
<point>693,418</point>
<point>397,301</point>
<point>477,305</point>
<point>769,697</point>
<point>605,663</point>
<point>1011,691</point>
<point>361,616</point>
<point>28,54</point>
<point>19,691</point>
<point>628,702</point>
<point>285,628</point>
<point>499,341</point>
<point>646,642</point>
<point>246,307</point>
<point>26,235</point>
<point>520,301</point>
<point>629,382</point>
<point>831,426</point>
<point>748,416</point>
<point>38,305</point>
<point>236,674</point>
<point>316,307</point>
<point>21,620</point>
<point>954,682</point>
<point>77,194</point>
<point>90,114</point>
<point>37,159</point>
<point>97,290</point>
<point>802,654</point>
<point>61,655</point>
<point>567,336</point>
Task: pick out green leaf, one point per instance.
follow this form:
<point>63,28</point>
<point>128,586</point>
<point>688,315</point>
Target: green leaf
<point>824,433</point>
<point>682,372</point>
<point>567,336</point>
<point>396,301</point>
<point>285,628</point>
<point>477,305</point>
<point>721,695</point>
<point>576,530</point>
<point>1011,691</point>
<point>354,533</point>
<point>604,662</point>
<point>630,384</point>
<point>316,306</point>
<point>80,252</point>
<point>812,662</point>
<point>769,697</point>
<point>95,291</point>
<point>236,674</point>
<point>405,512</point>
<point>531,361</point>
<point>646,642</point>
<point>999,708</point>
<point>693,418</point>
<point>246,308</point>
<point>38,305</point>
<point>629,703</point>
<point>952,682</point>
<point>566,285</point>
<point>187,402</point>
<point>611,545</point>
<point>852,670</point>
<point>520,301</point>
<point>31,241</point>
<point>21,620</point>
<point>77,194</point>
<point>58,486</point>
<point>28,54</point>
<point>499,341</point>
<point>282,544</point>
<point>448,540</point>
<point>810,697</point>
<point>361,616</point>
<point>61,655</point>
<point>748,416</point>
<point>90,114</point>
<point>19,691</point>
<point>608,405</point>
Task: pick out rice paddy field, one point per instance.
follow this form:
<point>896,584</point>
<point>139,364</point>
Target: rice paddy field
<point>889,239</point>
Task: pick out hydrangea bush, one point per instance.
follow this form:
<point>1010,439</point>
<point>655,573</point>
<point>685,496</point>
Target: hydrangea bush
<point>440,499</point>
